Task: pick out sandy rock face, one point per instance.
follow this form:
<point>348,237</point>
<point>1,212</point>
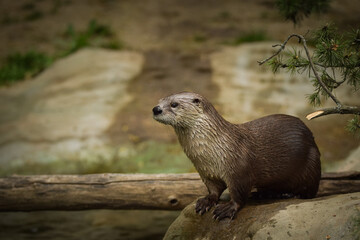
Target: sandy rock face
<point>351,163</point>
<point>66,108</point>
<point>334,217</point>
<point>248,90</point>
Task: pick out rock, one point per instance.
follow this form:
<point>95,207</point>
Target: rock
<point>333,217</point>
<point>68,108</point>
<point>351,163</point>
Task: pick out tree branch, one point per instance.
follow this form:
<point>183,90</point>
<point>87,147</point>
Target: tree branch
<point>282,47</point>
<point>302,39</point>
<point>335,110</point>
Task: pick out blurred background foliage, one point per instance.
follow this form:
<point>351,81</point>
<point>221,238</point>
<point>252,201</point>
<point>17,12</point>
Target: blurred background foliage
<point>336,59</point>
<point>19,66</point>
<point>296,10</point>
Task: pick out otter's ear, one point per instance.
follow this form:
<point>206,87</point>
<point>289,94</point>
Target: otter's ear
<point>196,100</point>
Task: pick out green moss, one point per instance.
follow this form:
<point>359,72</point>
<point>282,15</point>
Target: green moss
<point>199,38</point>
<point>146,157</point>
<point>154,157</point>
<point>113,44</point>
<point>77,42</point>
<point>95,35</point>
<point>96,29</point>
<point>18,66</point>
<point>255,36</point>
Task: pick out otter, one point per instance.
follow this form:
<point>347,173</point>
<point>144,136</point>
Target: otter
<point>274,154</point>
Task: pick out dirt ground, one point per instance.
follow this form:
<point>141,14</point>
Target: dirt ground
<point>180,26</point>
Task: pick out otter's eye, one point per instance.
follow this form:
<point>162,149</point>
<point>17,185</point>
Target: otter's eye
<point>196,100</point>
<point>174,104</point>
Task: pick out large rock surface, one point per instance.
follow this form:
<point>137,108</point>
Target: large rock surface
<point>333,217</point>
<point>351,163</point>
<point>71,112</point>
<point>66,109</point>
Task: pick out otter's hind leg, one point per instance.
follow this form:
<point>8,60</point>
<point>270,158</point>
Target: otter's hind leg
<point>215,189</point>
<point>311,175</point>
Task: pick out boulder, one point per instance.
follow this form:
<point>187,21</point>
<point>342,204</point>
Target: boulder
<point>351,163</point>
<point>68,108</point>
<point>332,217</point>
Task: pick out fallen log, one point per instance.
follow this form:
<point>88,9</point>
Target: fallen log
<point>99,191</point>
<point>339,183</point>
<point>125,191</point>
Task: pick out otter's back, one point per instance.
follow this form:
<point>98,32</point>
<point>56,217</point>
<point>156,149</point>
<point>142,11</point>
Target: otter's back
<point>285,150</point>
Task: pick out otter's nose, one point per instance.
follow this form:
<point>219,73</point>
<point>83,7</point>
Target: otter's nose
<point>157,110</point>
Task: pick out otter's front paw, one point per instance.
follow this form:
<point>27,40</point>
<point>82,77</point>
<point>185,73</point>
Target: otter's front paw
<point>226,210</point>
<point>205,204</point>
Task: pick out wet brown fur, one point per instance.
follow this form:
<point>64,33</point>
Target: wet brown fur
<point>276,153</point>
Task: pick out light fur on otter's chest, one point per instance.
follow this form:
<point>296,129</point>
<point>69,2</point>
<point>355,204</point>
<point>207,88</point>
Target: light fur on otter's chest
<point>207,148</point>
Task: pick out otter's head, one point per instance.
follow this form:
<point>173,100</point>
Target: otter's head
<point>181,110</point>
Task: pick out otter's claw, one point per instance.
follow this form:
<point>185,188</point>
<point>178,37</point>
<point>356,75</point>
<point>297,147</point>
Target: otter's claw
<point>226,210</point>
<point>203,205</point>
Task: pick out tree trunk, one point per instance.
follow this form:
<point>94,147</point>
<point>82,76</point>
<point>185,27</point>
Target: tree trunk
<point>125,191</point>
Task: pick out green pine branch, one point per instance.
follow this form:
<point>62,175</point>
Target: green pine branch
<point>335,61</point>
<point>296,10</point>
